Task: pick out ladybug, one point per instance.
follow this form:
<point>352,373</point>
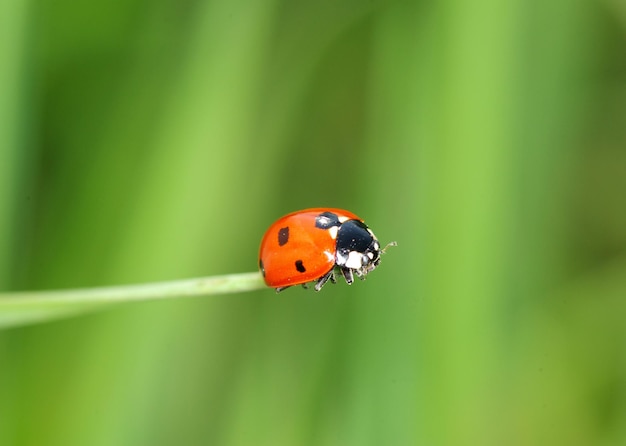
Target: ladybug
<point>312,244</point>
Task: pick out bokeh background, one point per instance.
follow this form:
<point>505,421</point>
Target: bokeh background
<point>146,141</point>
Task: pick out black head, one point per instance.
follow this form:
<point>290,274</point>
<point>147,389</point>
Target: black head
<point>357,248</point>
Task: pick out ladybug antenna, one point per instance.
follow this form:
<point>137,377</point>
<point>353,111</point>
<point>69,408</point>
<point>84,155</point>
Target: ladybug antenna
<point>388,245</point>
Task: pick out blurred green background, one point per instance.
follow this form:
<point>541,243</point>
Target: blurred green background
<point>144,141</point>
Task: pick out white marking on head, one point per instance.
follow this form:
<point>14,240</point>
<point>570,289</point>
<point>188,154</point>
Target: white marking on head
<point>333,230</point>
<point>342,219</point>
<point>355,260</point>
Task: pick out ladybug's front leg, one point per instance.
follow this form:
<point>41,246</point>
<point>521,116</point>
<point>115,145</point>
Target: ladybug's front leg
<point>347,274</point>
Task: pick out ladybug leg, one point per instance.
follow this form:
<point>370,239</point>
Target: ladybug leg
<point>347,274</point>
<point>360,274</point>
<point>333,278</point>
<point>322,280</point>
<point>279,289</point>
<point>305,286</point>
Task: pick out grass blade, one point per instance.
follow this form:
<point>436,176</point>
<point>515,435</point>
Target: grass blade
<point>26,307</point>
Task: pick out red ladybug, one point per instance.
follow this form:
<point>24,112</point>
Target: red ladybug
<point>310,245</point>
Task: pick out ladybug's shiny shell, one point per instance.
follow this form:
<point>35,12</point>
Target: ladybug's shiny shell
<point>312,244</point>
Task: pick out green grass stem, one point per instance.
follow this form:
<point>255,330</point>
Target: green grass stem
<point>26,307</point>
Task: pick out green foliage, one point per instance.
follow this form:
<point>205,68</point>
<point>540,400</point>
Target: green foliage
<point>147,142</point>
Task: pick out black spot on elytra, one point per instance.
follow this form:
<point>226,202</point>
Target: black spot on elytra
<point>261,267</point>
<point>327,220</point>
<point>283,236</point>
<point>300,267</point>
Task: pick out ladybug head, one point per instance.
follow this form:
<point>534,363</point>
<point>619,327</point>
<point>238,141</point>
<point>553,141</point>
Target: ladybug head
<point>357,248</point>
